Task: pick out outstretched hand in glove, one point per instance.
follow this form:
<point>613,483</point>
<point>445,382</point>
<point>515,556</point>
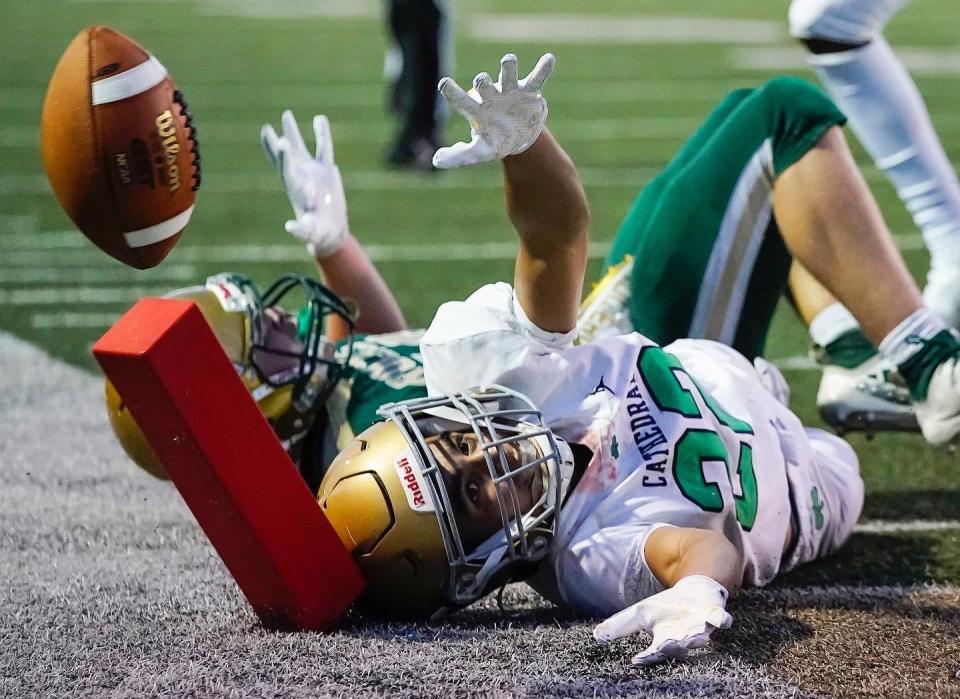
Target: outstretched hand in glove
<point>505,117</point>
<point>313,183</point>
<point>679,619</point>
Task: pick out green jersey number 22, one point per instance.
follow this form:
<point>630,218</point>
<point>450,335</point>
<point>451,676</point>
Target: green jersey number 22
<point>699,445</point>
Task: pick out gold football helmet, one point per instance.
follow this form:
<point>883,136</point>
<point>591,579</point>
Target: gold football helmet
<point>285,360</point>
<point>395,501</point>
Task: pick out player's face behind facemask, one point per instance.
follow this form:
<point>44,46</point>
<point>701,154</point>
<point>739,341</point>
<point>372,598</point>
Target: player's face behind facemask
<point>283,358</point>
<point>448,498</point>
<point>479,479</point>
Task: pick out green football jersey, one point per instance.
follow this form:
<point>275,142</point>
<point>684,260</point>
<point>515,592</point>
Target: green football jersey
<point>382,369</point>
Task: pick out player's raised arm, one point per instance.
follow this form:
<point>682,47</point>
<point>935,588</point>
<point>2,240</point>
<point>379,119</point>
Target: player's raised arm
<point>545,199</point>
<point>700,568</point>
<point>316,194</point>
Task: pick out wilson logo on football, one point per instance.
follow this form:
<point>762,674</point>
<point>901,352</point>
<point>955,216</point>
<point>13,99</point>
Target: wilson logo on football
<point>167,132</point>
<point>408,471</point>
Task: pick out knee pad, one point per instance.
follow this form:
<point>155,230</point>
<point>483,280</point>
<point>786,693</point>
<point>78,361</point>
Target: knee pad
<point>842,21</point>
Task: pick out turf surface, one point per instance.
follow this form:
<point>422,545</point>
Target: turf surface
<point>110,586</point>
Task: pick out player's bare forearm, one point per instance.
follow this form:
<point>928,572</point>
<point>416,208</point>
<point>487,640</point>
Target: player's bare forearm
<point>545,199</point>
<point>350,273</point>
<point>673,553</point>
<point>548,207</point>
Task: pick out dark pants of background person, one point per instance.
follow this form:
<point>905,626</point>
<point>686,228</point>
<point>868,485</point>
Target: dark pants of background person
<point>417,27</point>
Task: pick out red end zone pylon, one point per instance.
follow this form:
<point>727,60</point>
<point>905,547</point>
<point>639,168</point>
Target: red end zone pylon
<point>228,465</point>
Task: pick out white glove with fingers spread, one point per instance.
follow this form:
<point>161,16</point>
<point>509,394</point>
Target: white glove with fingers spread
<point>505,117</point>
<point>313,183</point>
<point>680,619</point>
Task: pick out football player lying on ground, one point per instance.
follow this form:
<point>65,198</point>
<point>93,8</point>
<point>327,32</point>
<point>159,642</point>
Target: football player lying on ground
<point>619,477</point>
<point>735,264</point>
<point>712,271</point>
<point>723,261</point>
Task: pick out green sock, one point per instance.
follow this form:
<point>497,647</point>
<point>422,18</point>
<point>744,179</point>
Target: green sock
<point>849,351</point>
<point>919,368</point>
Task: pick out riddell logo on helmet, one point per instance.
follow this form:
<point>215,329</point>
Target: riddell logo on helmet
<point>409,479</point>
<point>409,473</point>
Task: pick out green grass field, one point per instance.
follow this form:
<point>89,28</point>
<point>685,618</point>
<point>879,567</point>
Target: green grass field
<point>621,109</point>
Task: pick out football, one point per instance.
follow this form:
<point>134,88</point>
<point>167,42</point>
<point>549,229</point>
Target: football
<point>119,147</point>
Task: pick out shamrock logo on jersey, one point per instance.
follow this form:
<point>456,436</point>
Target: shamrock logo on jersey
<point>816,504</point>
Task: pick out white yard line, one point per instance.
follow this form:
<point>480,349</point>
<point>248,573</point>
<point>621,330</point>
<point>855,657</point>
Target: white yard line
<point>632,29</point>
<point>919,525</point>
<point>615,177</point>
<point>303,98</point>
<point>34,251</point>
<point>413,252</point>
<point>832,594</point>
<point>33,239</point>
<point>569,131</point>
<point>293,9</point>
<point>361,180</point>
<point>917,60</point>
<point>628,129</point>
<point>68,319</point>
<point>265,254</point>
<point>19,225</point>
<point>296,96</point>
<point>86,295</point>
<point>115,274</point>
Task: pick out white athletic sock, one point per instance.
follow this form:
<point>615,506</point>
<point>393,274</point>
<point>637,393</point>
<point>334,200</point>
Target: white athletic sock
<point>830,323</point>
<point>942,293</point>
<point>887,114</point>
<point>901,343</point>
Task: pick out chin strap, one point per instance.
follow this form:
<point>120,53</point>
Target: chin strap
<point>493,560</point>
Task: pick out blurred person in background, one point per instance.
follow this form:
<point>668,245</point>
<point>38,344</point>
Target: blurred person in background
<point>421,52</point>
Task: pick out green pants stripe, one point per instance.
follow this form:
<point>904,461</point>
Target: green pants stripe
<point>709,259</point>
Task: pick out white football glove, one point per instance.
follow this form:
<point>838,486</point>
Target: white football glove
<point>680,619</point>
<point>505,117</point>
<point>313,183</point>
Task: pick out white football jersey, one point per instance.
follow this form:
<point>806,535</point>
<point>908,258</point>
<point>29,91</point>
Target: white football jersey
<point>684,435</point>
